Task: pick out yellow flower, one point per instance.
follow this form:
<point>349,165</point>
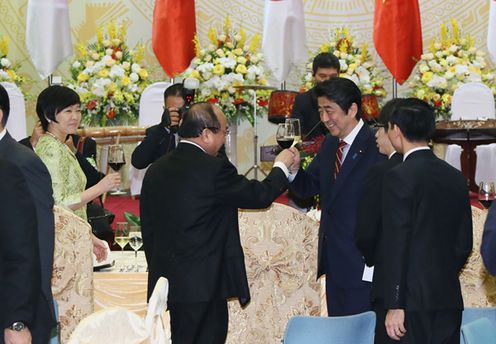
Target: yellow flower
<point>12,75</point>
<point>143,73</point>
<point>112,87</point>
<point>241,60</point>
<point>195,74</point>
<point>426,77</point>
<point>241,69</point>
<point>103,73</point>
<point>82,77</point>
<point>125,80</point>
<point>238,51</point>
<point>325,47</point>
<point>446,98</point>
<point>218,69</point>
<point>4,46</point>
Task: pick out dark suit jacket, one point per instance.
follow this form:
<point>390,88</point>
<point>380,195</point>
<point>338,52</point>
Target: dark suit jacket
<point>488,246</point>
<point>305,108</point>
<point>40,188</point>
<point>339,200</point>
<point>369,216</point>
<point>19,256</point>
<point>189,220</point>
<point>157,142</point>
<point>427,234</point>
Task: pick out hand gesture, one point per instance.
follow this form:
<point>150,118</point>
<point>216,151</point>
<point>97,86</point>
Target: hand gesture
<point>110,181</point>
<point>174,116</point>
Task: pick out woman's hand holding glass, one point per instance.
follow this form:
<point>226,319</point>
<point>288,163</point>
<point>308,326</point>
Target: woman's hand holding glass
<point>109,182</point>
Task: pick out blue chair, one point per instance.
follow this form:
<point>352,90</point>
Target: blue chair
<point>472,314</point>
<point>480,331</point>
<point>356,329</point>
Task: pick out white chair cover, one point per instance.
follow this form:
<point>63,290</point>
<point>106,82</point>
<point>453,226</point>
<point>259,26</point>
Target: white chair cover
<point>473,101</point>
<point>150,113</point>
<point>119,325</point>
<point>157,319</point>
<point>16,124</point>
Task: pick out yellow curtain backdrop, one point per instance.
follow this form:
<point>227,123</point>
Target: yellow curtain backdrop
<point>320,15</point>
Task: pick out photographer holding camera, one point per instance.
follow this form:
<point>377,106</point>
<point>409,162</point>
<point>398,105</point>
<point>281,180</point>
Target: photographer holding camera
<point>161,138</point>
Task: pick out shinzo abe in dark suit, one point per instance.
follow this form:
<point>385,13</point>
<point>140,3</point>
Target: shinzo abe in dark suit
<point>427,234</point>
<point>337,174</point>
<point>189,212</point>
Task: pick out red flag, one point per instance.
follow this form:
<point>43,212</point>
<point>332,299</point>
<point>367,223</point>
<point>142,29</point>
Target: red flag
<point>398,35</point>
<point>174,27</point>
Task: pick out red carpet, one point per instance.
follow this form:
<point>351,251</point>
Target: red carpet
<point>119,204</point>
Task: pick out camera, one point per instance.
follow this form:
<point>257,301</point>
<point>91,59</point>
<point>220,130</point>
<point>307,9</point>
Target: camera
<point>188,94</point>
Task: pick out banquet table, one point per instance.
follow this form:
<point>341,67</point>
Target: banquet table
<point>121,285</point>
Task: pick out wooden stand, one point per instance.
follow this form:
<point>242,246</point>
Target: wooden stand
<point>468,135</point>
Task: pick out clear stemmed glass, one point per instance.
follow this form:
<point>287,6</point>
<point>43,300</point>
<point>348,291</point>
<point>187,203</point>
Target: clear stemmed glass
<point>121,236</point>
<point>116,160</point>
<point>297,129</point>
<point>285,135</point>
<point>135,241</point>
<point>486,193</point>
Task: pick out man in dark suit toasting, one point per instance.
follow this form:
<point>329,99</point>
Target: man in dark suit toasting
<point>189,213</point>
<point>427,234</point>
<point>337,174</point>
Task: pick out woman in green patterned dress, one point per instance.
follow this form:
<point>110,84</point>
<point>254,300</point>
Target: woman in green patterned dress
<point>59,110</point>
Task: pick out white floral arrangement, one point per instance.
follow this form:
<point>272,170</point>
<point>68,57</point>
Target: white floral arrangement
<point>450,62</point>
<point>228,61</point>
<point>8,70</point>
<point>109,78</point>
<point>355,63</point>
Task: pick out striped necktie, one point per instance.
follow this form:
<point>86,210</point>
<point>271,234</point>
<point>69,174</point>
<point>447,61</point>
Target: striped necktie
<point>339,158</point>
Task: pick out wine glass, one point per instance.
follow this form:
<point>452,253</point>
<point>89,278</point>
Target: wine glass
<point>297,129</point>
<point>486,193</point>
<point>116,160</point>
<point>135,241</point>
<point>121,237</point>
<point>285,135</point>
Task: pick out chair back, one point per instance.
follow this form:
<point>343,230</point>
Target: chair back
<point>480,331</point>
<point>157,321</point>
<point>472,101</point>
<point>151,104</point>
<point>356,329</point>
<point>16,125</point>
<point>471,315</point>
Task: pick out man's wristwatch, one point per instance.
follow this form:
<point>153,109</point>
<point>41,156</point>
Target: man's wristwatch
<point>17,326</point>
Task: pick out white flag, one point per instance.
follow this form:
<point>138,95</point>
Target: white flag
<point>48,35</point>
<point>491,31</point>
<point>284,36</point>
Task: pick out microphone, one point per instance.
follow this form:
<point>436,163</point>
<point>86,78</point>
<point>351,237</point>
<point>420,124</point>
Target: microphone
<point>311,130</point>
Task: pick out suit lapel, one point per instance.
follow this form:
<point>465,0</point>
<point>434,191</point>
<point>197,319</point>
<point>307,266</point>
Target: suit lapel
<point>355,154</point>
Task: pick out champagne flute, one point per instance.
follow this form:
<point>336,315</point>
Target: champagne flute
<point>116,160</point>
<point>121,236</point>
<point>486,193</point>
<point>135,241</point>
<point>285,135</point>
<point>297,129</point>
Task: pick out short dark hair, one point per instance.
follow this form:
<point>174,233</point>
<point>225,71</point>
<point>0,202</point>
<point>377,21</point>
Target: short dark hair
<point>52,100</point>
<point>199,116</point>
<point>415,118</point>
<point>325,60</point>
<point>387,110</point>
<point>4,105</point>
<point>175,90</point>
<point>343,92</point>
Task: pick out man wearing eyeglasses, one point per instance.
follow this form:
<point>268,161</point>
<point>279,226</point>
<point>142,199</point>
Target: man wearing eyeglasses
<point>337,175</point>
<point>368,233</point>
<point>189,216</point>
